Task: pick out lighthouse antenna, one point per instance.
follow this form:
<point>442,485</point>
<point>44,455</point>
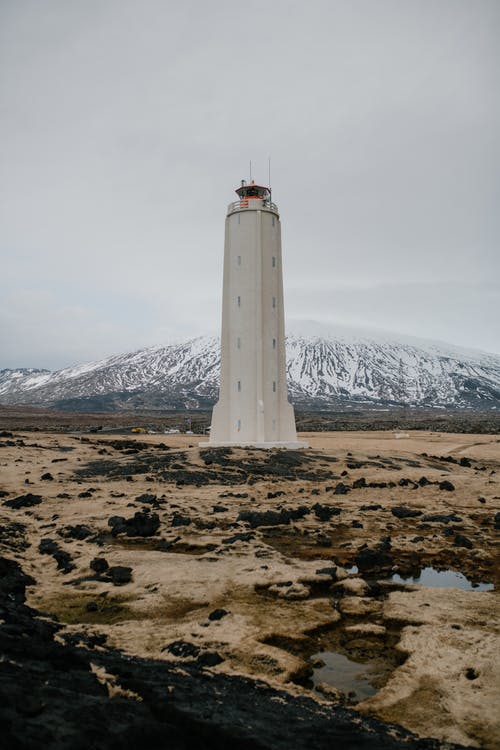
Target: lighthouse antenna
<point>250,171</point>
<point>269,170</point>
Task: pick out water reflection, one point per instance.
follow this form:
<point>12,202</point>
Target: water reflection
<point>344,674</point>
<point>443,579</point>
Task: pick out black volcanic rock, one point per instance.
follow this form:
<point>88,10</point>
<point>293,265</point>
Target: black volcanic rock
<point>217,614</point>
<point>141,524</point>
<point>99,565</point>
<point>373,560</point>
<point>209,659</point>
<point>23,501</point>
<point>179,520</point>
<point>62,558</point>
<point>402,512</point>
<point>264,518</point>
<point>446,485</point>
<point>80,531</point>
<point>341,489</point>
<point>442,518</point>
<point>149,499</point>
<point>241,537</point>
<point>13,580</point>
<point>325,512</point>
<point>119,574</point>
<point>462,541</point>
<point>182,649</point>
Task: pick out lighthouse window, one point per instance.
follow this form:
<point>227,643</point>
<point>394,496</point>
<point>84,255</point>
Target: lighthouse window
<point>239,425</point>
<point>239,301</point>
<point>274,386</point>
<point>274,261</point>
<point>274,343</point>
<point>238,260</point>
<point>238,343</point>
<point>239,385</point>
<point>239,218</point>
<point>274,301</point>
<point>273,221</point>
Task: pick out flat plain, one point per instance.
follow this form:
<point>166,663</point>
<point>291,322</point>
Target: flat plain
<point>266,564</point>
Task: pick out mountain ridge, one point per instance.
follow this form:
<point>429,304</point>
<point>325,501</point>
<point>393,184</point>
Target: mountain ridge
<point>326,368</point>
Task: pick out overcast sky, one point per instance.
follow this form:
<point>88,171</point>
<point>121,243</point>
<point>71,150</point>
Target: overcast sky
<point>126,125</point>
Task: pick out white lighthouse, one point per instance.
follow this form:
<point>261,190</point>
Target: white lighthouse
<point>253,407</point>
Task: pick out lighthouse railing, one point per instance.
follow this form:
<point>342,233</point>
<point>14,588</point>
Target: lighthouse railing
<point>252,203</point>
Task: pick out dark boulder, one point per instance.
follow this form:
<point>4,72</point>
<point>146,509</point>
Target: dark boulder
<point>62,558</point>
<point>13,580</point>
<point>79,532</point>
<point>182,649</point>
<point>402,512</point>
<point>149,499</point>
<point>179,520</point>
<point>404,482</point>
<point>242,537</point>
<point>359,483</point>
<point>462,541</point>
<point>341,489</point>
<point>423,482</point>
<point>385,544</point>
<point>119,574</point>
<point>142,523</point>
<point>325,512</point>
<point>23,501</point>
<point>446,485</point>
<point>442,518</point>
<point>264,518</point>
<point>116,521</point>
<point>47,477</point>
<point>217,614</point>
<point>373,560</point>
<point>297,513</point>
<point>209,659</point>
<point>99,565</point>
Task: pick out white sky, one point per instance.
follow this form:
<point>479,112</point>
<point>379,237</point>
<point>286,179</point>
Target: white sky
<point>125,125</point>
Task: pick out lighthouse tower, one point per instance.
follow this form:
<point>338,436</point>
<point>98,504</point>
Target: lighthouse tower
<point>253,407</point>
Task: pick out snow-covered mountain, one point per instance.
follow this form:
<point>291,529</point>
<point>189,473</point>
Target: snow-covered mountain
<point>327,367</point>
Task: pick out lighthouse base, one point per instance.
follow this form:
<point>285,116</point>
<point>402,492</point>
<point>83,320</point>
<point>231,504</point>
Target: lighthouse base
<point>289,445</point>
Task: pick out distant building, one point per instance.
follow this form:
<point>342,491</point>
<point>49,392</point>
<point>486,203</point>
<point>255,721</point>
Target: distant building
<point>253,407</point>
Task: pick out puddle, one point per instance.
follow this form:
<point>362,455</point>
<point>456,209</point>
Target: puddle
<point>344,674</point>
<point>436,579</point>
<point>443,579</point>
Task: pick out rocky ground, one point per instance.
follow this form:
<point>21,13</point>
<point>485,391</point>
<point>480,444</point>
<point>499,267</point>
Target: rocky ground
<point>185,594</point>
